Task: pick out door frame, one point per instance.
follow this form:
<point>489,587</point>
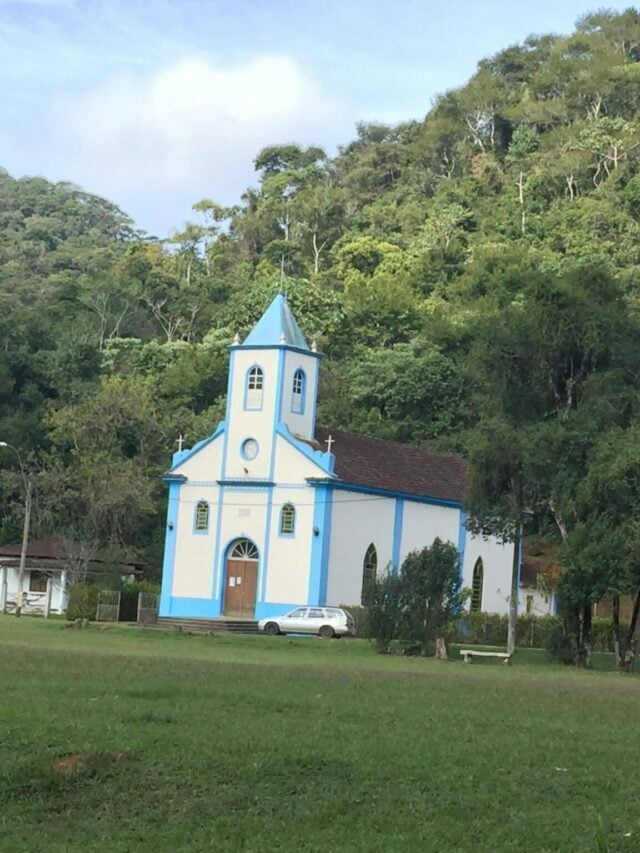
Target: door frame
<point>226,557</point>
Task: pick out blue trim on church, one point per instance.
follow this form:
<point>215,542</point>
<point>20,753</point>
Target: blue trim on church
<point>462,540</point>
<point>266,609</point>
<point>387,493</point>
<point>320,544</point>
<point>398,520</point>
<point>169,548</point>
<point>181,456</point>
<point>324,460</point>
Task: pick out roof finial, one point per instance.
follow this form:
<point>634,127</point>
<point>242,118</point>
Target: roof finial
<point>314,345</point>
<point>236,340</point>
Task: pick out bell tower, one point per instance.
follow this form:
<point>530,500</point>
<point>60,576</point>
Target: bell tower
<point>273,380</point>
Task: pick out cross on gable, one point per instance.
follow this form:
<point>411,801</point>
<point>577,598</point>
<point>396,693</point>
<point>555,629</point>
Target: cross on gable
<point>329,442</point>
<point>180,442</point>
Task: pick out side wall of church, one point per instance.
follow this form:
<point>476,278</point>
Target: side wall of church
<point>357,521</point>
<point>396,526</point>
<point>497,562</point>
<point>422,523</point>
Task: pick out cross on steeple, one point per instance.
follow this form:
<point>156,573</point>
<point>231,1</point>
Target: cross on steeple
<point>180,442</point>
<point>329,442</point>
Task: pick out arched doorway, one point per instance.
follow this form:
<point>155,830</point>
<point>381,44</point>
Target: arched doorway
<point>241,579</point>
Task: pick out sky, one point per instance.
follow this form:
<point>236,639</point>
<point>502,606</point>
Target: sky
<point>156,104</point>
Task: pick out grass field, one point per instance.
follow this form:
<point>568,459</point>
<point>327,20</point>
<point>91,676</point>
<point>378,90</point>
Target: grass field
<point>122,739</point>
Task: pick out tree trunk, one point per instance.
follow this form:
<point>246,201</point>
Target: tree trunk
<point>584,639</point>
<point>615,627</point>
<point>441,649</point>
<point>628,663</point>
<point>523,212</point>
<point>513,598</point>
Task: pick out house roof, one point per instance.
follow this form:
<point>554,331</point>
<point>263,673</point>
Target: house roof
<point>390,465</point>
<point>277,326</point>
<point>54,548</point>
<point>539,557</point>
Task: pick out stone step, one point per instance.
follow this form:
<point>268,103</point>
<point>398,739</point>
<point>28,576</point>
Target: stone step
<point>233,626</point>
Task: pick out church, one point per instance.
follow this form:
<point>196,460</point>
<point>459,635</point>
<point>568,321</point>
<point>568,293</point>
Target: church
<point>270,512</point>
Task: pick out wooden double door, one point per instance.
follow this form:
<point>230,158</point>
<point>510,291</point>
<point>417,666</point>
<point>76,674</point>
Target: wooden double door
<point>240,588</point>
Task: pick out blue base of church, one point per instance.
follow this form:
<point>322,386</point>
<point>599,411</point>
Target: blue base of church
<point>191,608</point>
<point>211,608</point>
<point>265,609</point>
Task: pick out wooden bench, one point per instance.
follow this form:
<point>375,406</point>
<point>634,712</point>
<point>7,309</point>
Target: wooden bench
<point>468,654</point>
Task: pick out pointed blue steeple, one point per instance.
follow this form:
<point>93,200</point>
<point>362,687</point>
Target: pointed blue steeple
<point>277,326</point>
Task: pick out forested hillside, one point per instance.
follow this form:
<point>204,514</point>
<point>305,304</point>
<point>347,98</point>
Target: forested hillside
<point>473,279</point>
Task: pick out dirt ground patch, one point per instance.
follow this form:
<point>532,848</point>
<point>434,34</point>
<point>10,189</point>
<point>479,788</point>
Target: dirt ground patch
<point>78,762</point>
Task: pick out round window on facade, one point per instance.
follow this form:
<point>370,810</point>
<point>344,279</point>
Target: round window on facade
<point>249,448</point>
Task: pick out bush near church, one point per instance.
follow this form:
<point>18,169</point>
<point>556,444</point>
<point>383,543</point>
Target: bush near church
<point>490,629</point>
<point>83,600</point>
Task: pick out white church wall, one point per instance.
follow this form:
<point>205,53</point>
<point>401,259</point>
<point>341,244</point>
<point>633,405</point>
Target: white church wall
<point>422,523</point>
<point>497,563</point>
<point>243,516</point>
<point>289,556</point>
<point>193,559</point>
<point>534,602</point>
<point>206,464</point>
<point>292,465</point>
<point>251,423</point>
<point>357,520</point>
<point>300,424</point>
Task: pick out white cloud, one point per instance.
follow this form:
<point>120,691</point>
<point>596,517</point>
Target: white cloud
<point>190,130</point>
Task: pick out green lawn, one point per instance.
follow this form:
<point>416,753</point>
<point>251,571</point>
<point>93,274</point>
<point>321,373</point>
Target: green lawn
<point>190,743</point>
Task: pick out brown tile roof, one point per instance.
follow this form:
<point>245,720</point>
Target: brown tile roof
<point>51,548</point>
<point>54,548</point>
<point>539,557</point>
<point>397,467</point>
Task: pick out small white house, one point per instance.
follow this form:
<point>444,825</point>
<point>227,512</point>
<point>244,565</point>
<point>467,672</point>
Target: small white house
<point>45,578</point>
<point>52,564</point>
<point>269,512</point>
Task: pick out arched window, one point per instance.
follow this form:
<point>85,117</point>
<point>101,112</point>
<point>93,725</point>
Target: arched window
<point>297,392</point>
<point>255,387</point>
<point>476,586</point>
<point>369,570</point>
<point>243,549</point>
<point>287,520</point>
<point>202,516</point>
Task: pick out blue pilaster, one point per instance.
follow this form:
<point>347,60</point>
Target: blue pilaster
<point>396,545</point>
<point>319,569</point>
<point>169,549</point>
<point>462,541</point>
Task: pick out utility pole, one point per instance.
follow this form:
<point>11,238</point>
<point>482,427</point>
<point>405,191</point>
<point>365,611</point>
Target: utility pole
<point>28,493</point>
<point>25,544</point>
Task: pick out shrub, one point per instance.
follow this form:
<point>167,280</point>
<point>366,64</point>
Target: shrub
<point>559,645</point>
<point>431,594</point>
<point>383,611</point>
<point>83,602</point>
<point>359,614</point>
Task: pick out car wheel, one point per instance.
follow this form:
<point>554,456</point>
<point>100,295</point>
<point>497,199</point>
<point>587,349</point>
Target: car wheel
<point>327,632</point>
<point>271,628</point>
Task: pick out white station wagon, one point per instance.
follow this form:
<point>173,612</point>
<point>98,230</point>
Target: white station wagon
<point>326,621</point>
